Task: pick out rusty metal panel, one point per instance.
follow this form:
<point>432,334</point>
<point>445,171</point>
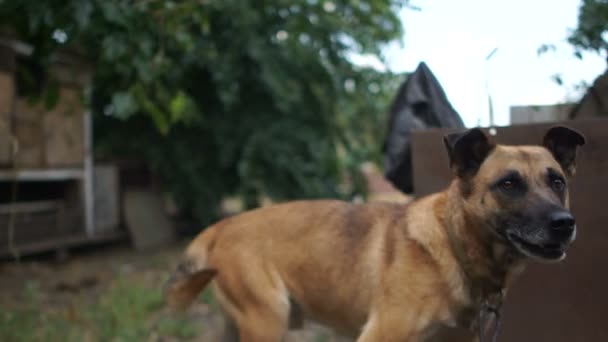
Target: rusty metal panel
<point>558,302</point>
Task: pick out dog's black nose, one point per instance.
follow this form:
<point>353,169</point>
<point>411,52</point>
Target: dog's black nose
<point>562,222</point>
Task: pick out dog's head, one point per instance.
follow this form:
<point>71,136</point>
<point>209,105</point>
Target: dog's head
<point>520,193</point>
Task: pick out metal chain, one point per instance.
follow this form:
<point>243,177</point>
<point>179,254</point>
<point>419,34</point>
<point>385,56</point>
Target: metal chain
<point>488,310</point>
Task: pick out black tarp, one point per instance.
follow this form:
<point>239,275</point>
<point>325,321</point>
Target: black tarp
<point>420,103</point>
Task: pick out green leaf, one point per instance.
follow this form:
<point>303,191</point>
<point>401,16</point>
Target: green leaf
<point>149,106</point>
<point>82,13</point>
<point>181,107</point>
<point>557,78</point>
<point>124,105</point>
<point>277,121</point>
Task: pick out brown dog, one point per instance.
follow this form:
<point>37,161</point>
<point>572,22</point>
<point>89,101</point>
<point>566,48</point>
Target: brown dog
<point>389,272</point>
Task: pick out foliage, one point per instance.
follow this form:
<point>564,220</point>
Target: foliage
<point>29,324</point>
<point>225,97</point>
<point>591,32</point>
<point>124,312</point>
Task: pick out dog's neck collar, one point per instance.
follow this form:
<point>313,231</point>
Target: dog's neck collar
<point>490,311</point>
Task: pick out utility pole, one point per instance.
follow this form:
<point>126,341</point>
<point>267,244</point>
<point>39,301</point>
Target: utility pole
<point>490,106</point>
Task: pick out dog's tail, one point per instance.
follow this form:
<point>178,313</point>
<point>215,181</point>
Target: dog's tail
<point>193,273</point>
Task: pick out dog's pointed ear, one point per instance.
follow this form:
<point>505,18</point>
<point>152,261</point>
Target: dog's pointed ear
<point>563,142</point>
<point>467,150</point>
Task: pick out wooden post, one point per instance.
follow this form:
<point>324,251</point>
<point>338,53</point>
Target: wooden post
<point>7,99</point>
<point>89,209</point>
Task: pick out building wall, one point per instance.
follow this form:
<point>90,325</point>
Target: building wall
<point>539,114</point>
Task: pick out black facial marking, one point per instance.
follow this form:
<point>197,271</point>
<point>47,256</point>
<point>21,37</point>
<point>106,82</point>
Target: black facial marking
<point>557,182</point>
<point>511,184</point>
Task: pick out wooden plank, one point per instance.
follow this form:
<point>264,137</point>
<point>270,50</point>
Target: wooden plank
<point>7,98</point>
<point>41,174</point>
<point>106,197</point>
<point>29,133</point>
<point>64,131</point>
<point>72,240</point>
<point>7,93</point>
<point>29,207</point>
<point>88,192</point>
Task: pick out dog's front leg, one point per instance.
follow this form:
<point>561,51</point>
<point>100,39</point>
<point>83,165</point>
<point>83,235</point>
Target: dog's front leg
<point>389,327</point>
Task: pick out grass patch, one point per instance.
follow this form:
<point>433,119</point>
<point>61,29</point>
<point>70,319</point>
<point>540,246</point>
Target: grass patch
<point>127,311</point>
<point>322,337</point>
<point>177,327</point>
<point>122,314</point>
<point>30,323</point>
<point>207,298</point>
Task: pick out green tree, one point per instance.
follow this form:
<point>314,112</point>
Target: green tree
<point>228,96</point>
<point>591,33</point>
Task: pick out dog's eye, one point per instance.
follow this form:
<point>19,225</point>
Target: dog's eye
<point>507,184</point>
<point>511,184</point>
<point>558,184</point>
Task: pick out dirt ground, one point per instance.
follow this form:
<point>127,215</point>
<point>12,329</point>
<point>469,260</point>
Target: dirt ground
<point>107,293</point>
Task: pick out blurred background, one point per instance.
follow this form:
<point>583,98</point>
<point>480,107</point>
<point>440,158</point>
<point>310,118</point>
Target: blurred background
<point>126,127</point>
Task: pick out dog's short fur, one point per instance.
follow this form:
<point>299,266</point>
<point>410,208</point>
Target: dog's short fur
<point>389,272</point>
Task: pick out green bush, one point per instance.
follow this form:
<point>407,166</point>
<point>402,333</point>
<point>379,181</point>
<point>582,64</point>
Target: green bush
<point>227,97</point>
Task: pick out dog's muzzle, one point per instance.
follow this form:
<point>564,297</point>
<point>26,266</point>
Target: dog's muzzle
<point>547,244</point>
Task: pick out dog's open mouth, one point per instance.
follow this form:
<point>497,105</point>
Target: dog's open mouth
<point>546,252</point>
